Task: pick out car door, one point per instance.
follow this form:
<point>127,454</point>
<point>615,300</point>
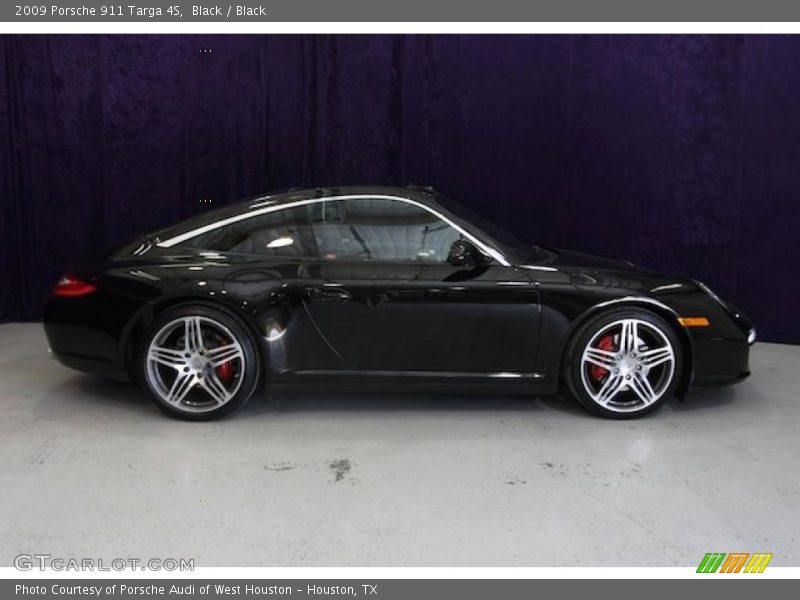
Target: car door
<point>384,296</point>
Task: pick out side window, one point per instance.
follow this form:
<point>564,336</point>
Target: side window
<point>379,229</point>
<point>283,233</point>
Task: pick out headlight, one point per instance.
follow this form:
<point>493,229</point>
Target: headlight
<point>751,337</point>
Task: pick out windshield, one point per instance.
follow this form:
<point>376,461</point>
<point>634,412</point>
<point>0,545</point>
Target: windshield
<point>508,244</point>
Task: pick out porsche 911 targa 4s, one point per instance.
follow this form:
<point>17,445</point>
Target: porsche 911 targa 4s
<point>384,285</point>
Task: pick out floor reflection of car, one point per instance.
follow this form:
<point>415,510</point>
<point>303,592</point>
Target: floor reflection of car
<point>383,285</point>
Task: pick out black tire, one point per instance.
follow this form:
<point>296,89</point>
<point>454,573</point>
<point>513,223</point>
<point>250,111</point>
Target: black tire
<point>249,366</point>
<point>578,376</point>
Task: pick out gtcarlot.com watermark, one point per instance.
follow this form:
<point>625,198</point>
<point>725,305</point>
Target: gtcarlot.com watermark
<point>44,562</point>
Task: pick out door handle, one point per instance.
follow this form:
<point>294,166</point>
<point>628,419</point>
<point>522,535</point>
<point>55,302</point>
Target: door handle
<point>330,294</point>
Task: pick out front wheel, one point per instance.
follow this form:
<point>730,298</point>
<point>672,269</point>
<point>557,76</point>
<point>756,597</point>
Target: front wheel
<point>624,364</point>
<point>198,363</point>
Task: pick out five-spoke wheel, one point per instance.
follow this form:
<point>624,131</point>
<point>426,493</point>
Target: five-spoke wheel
<point>624,363</point>
<point>199,363</point>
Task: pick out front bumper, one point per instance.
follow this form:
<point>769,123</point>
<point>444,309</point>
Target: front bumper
<point>722,354</point>
<point>720,349</point>
<point>721,361</point>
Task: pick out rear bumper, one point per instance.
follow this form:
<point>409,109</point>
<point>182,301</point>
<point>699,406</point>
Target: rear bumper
<point>86,333</point>
<point>93,365</point>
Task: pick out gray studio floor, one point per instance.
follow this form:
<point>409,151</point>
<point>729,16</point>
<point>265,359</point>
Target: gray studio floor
<point>91,469</point>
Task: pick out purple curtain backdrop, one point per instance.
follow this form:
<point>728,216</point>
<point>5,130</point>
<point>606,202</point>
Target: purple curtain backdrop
<point>681,153</point>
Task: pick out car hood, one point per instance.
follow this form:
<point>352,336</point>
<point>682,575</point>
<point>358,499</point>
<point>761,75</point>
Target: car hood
<point>596,272</point>
<point>580,261</point>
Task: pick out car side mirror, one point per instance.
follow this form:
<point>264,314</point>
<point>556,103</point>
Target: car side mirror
<point>464,254</point>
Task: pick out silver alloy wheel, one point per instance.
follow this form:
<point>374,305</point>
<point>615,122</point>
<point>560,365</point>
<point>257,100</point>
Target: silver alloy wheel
<point>184,360</point>
<point>635,372</point>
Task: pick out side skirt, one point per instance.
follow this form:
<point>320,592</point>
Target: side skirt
<point>407,381</point>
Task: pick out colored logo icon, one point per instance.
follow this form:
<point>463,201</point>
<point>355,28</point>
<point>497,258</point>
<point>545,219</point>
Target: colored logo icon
<point>735,562</point>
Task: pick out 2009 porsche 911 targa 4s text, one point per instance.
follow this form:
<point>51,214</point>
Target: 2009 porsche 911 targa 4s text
<point>383,285</point>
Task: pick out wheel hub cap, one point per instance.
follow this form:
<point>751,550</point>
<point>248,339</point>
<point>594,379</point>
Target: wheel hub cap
<point>627,366</point>
<point>198,362</point>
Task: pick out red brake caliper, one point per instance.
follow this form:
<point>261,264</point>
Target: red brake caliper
<point>225,370</point>
<point>606,343</point>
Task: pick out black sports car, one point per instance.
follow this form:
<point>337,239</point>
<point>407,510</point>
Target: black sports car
<point>383,285</point>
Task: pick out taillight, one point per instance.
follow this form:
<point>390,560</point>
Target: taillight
<point>70,286</point>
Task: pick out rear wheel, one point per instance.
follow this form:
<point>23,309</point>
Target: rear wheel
<point>198,363</point>
<point>624,364</point>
